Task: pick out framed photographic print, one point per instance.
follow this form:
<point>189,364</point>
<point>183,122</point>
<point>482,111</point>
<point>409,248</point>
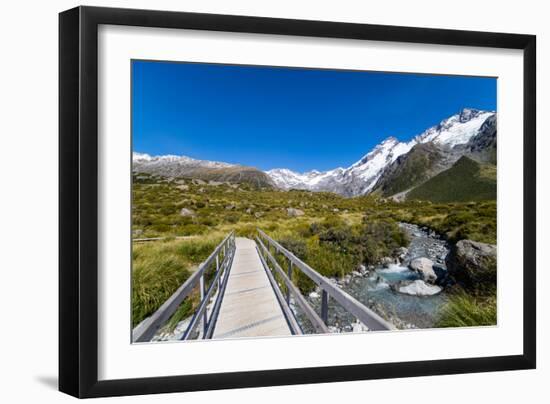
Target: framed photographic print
<point>250,201</point>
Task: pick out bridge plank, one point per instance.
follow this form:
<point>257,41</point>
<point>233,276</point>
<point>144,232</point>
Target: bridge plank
<point>249,307</point>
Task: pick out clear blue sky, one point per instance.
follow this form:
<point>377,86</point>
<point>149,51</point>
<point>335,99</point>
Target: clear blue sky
<point>302,119</point>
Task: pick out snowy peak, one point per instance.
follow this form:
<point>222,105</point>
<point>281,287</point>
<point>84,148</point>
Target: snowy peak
<point>467,114</point>
<point>140,157</point>
<point>312,180</point>
<point>362,175</point>
<point>382,149</point>
<point>457,129</point>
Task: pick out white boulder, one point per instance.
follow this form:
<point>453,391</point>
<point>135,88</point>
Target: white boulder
<point>419,288</point>
<point>186,212</point>
<point>424,267</point>
<point>292,212</point>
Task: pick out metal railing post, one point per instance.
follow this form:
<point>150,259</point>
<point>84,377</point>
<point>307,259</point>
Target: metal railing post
<point>218,267</point>
<point>289,277</point>
<point>205,315</point>
<point>324,306</point>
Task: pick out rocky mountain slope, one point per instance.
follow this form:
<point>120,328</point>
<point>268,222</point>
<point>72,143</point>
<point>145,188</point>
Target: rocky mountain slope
<point>186,167</point>
<point>410,169</point>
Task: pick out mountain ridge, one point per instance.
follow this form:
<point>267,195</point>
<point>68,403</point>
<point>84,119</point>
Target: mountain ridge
<point>391,167</point>
<point>187,167</point>
<point>364,176</point>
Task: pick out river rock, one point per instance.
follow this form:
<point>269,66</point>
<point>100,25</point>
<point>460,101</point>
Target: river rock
<point>185,212</point>
<point>314,295</point>
<point>292,212</point>
<point>473,264</point>
<point>387,261</point>
<point>402,252</point>
<point>417,288</point>
<point>424,267</point>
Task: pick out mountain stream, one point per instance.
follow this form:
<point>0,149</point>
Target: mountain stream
<point>373,287</point>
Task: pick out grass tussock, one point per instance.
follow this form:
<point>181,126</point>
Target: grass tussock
<point>465,310</point>
<point>159,268</point>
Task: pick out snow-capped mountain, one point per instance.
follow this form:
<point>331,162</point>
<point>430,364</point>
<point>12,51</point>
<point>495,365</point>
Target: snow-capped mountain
<point>288,179</point>
<point>355,180</point>
<point>470,132</point>
<point>361,177</point>
<point>456,130</point>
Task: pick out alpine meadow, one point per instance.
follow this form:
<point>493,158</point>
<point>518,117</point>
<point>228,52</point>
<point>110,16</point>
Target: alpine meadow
<point>274,201</point>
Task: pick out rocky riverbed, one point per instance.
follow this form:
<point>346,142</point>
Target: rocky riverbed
<point>409,298</point>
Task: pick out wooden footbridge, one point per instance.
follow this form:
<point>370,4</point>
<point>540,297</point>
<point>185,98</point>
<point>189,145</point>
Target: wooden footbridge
<point>246,288</point>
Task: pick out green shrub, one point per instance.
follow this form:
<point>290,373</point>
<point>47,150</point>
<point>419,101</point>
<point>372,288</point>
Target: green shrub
<point>160,227</point>
<point>234,218</point>
<point>193,229</point>
<point>197,250</point>
<point>380,238</point>
<point>248,231</point>
<point>296,246</point>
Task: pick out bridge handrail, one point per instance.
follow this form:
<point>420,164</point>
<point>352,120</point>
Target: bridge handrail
<point>313,317</point>
<point>145,331</point>
<point>365,315</point>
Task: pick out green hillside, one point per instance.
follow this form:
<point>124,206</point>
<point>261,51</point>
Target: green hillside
<point>409,170</point>
<point>465,181</point>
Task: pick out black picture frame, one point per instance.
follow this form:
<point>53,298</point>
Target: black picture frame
<point>78,200</point>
